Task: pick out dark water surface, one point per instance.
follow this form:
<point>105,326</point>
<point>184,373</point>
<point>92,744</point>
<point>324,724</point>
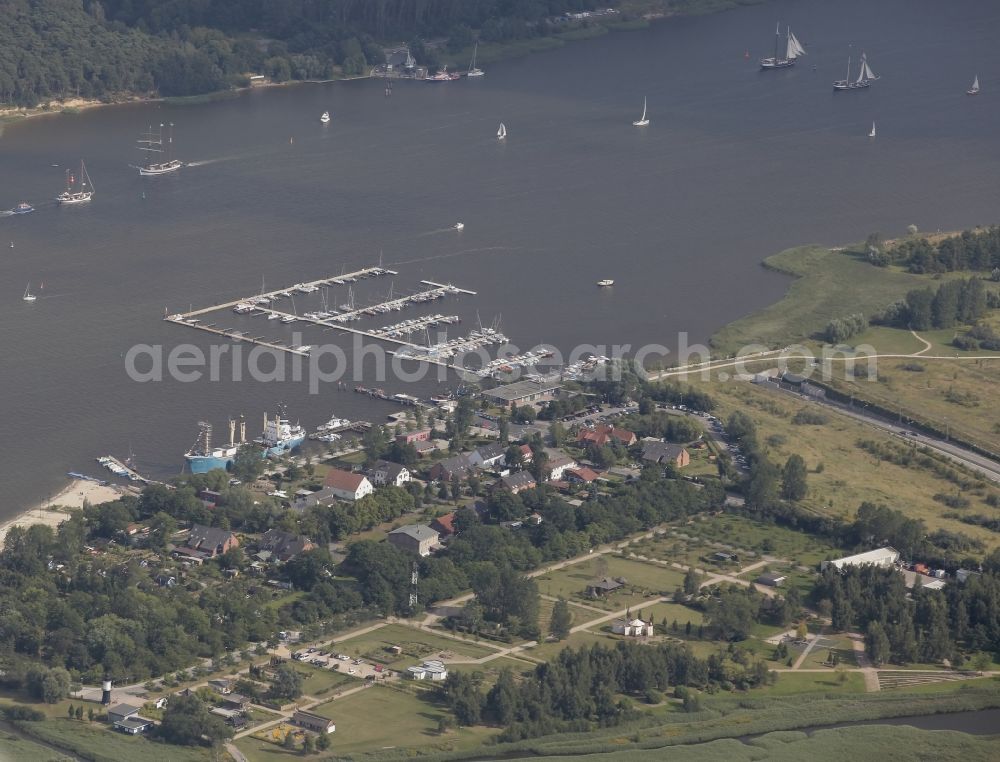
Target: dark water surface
<point>735,165</point>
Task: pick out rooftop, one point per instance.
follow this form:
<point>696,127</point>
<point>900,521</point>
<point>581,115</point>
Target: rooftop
<point>418,532</point>
<point>521,389</point>
<point>337,478</point>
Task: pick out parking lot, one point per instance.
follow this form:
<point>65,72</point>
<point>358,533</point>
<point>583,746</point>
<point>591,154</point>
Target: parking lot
<point>342,663</point>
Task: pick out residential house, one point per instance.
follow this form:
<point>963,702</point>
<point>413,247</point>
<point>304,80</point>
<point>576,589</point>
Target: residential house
<point>444,525</point>
<point>314,722</point>
<point>165,579</point>
<point>580,475</point>
<point>412,437</point>
<point>556,467</point>
<point>429,670</point>
<point>633,628</point>
<point>283,546</point>
<point>347,485</point>
<point>236,701</point>
<point>658,451</point>
<point>208,542</point>
<point>603,434</point>
<point>425,449</point>
<point>488,456</point>
<point>120,712</point>
<point>603,586</point>
<point>221,686</point>
<point>133,726</point>
<point>415,538</point>
<point>517,481</point>
<point>527,454</point>
<point>384,472</point>
<point>457,465</point>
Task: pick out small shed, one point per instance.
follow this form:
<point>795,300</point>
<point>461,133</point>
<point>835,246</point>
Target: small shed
<point>771,579</point>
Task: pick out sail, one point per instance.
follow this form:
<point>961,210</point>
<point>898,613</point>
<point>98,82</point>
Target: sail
<point>975,84</point>
<point>869,74</point>
<point>795,48</point>
<point>502,132</point>
<point>643,119</point>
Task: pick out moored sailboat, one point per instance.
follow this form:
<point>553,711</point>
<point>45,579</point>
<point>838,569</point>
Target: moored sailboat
<point>78,190</point>
<point>865,76</point>
<point>642,121</point>
<point>152,143</point>
<point>473,71</point>
<point>793,49</point>
<point>974,90</point>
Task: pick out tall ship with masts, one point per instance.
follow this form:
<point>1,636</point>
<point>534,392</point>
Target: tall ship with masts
<point>865,76</point>
<point>793,49</point>
<point>159,160</point>
<point>79,188</point>
<point>202,457</point>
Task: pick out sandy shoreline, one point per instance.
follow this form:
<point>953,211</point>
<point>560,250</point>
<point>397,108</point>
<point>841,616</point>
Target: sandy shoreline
<point>57,509</point>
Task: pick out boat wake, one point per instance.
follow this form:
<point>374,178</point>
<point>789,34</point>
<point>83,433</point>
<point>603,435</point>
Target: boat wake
<point>462,253</point>
<point>7,213</point>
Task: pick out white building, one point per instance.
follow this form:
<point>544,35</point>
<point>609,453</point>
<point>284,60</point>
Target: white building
<point>429,670</point>
<point>885,558</point>
<point>347,485</point>
<point>384,472</point>
<point>634,628</point>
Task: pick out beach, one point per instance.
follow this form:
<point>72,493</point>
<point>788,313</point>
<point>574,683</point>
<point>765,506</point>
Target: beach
<point>55,510</point>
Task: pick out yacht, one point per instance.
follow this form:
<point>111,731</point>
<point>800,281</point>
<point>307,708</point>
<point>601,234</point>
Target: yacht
<point>78,190</point>
<point>974,90</point>
<point>325,117</point>
<point>642,121</point>
<point>605,283</point>
<point>473,71</point>
<point>152,143</point>
<point>793,49</point>
<point>872,133</point>
<point>459,226</point>
<point>502,132</point>
<point>28,296</point>
<point>23,208</point>
<point>442,76</point>
<point>865,76</point>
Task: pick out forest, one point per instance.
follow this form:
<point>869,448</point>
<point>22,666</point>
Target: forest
<point>107,49</point>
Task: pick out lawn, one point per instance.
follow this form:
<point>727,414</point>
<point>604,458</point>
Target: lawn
<point>318,681</point>
<point>549,650</point>
<point>383,717</point>
<point>820,653</point>
<point>849,475</point>
<point>416,645</point>
<point>13,747</point>
<point>580,614</point>
<point>673,612</point>
<point>810,682</point>
<point>644,581</point>
<point>99,741</point>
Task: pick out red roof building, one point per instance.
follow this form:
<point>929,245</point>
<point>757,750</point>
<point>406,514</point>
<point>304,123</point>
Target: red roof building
<point>602,434</point>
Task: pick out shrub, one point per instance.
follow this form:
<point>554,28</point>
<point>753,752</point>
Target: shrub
<point>810,417</point>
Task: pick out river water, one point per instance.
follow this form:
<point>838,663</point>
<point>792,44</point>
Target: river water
<point>736,164</point>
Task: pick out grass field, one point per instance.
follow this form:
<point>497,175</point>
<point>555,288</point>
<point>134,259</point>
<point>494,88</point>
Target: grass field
<point>547,651</point>
<point>416,645</point>
<point>850,475</point>
<point>99,741</point>
<point>13,747</point>
<point>319,681</point>
<point>644,581</point>
<point>828,284</point>
<point>809,682</point>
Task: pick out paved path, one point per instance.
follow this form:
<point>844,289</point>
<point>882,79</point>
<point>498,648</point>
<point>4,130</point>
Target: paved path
<point>802,657</point>
<point>867,669</point>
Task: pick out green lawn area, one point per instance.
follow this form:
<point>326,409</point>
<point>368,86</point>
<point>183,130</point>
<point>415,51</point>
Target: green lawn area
<point>809,682</point>
<point>382,717</point>
<point>820,654</point>
<point>673,612</point>
<point>13,747</point>
<point>580,614</point>
<point>645,581</point>
<point>547,651</point>
<point>416,645</point>
<point>99,741</point>
<point>318,681</point>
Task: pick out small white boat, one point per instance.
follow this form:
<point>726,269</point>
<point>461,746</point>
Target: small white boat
<point>605,283</point>
<point>325,117</point>
<point>28,296</point>
<point>459,226</point>
<point>642,121</point>
<point>872,133</point>
<point>502,132</point>
<point>78,190</point>
<point>974,90</point>
<point>273,316</point>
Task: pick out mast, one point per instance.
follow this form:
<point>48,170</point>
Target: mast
<point>777,36</point>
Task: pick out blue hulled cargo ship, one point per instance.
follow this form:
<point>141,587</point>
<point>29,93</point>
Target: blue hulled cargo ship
<point>203,458</point>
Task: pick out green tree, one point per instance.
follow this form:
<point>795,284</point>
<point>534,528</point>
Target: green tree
<point>187,722</point>
<point>322,742</point>
<point>248,464</point>
<point>692,581</point>
<point>561,621</point>
<point>877,644</point>
<point>55,685</point>
<point>287,683</point>
<point>793,478</point>
<point>762,489</point>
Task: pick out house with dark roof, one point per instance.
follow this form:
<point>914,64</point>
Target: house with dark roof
<point>415,538</point>
<point>488,455</point>
<point>517,481</point>
<point>522,392</point>
<point>658,451</point>
<point>284,546</point>
<point>314,722</point>
<point>603,434</point>
<point>384,472</point>
<point>771,579</point>
<point>208,542</point>
<point>347,485</point>
<point>457,465</point>
<point>603,586</point>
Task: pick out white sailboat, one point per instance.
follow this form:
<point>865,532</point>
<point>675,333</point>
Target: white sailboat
<point>974,90</point>
<point>502,132</point>
<point>642,121</point>
<point>28,296</point>
<point>793,49</point>
<point>152,143</point>
<point>325,117</point>
<point>473,71</point>
<point>872,133</point>
<point>78,190</point>
<point>865,76</point>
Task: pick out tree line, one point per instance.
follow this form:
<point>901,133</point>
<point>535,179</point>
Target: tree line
<point>970,250</point>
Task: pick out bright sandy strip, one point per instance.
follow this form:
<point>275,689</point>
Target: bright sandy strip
<point>51,512</point>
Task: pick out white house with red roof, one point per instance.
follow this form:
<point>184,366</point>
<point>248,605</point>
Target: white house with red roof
<point>347,485</point>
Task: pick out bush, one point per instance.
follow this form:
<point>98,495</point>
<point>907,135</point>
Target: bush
<point>21,712</point>
<point>653,696</point>
<point>965,343</point>
<point>810,417</point>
